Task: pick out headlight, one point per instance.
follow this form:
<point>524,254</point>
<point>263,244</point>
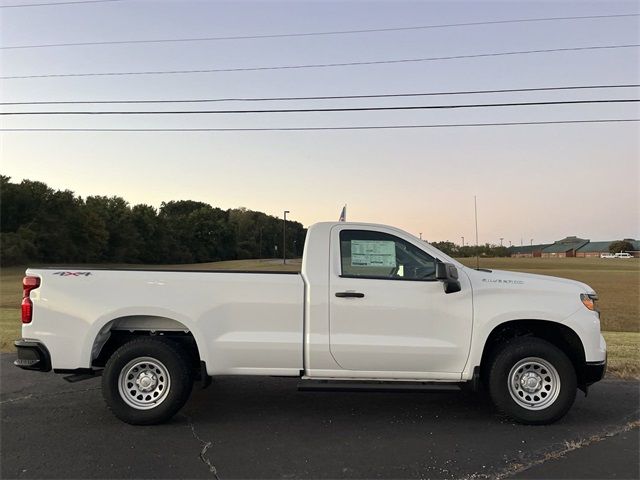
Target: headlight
<point>590,300</point>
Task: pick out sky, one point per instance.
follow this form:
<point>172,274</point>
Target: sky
<point>534,183</point>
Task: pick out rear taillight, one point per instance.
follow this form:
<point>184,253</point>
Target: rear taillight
<point>28,284</point>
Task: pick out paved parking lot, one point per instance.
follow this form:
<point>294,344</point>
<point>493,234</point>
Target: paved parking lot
<point>265,428</point>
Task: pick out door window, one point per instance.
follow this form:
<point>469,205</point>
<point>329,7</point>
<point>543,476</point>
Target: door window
<point>378,255</point>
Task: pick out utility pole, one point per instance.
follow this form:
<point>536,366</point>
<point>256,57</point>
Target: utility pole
<point>462,241</point>
<point>260,251</point>
<point>284,238</point>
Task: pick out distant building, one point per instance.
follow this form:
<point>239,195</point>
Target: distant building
<point>527,251</point>
<point>593,249</point>
<point>636,247</point>
<point>566,247</point>
<point>570,247</point>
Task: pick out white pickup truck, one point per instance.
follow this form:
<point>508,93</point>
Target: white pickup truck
<point>373,305</point>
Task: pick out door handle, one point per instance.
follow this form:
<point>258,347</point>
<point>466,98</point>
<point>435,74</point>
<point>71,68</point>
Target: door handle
<point>349,294</point>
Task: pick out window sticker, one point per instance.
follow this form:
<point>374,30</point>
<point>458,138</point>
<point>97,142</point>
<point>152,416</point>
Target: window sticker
<point>373,253</point>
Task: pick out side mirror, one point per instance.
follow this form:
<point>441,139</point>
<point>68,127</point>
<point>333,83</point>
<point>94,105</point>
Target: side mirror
<point>447,273</point>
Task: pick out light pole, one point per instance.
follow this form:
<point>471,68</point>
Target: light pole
<point>462,241</point>
<point>420,235</point>
<point>284,238</point>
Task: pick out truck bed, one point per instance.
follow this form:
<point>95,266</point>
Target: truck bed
<point>244,322</point>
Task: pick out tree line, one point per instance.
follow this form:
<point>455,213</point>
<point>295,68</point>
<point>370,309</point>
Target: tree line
<point>41,225</point>
<point>486,250</point>
<point>620,246</point>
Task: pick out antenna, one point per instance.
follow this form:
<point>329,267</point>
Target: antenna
<point>475,207</point>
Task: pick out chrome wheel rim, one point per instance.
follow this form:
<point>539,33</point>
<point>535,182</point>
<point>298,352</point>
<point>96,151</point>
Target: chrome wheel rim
<point>144,383</point>
<point>534,383</point>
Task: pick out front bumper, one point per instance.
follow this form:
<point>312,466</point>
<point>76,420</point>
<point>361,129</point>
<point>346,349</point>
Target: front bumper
<point>594,372</point>
<point>32,355</point>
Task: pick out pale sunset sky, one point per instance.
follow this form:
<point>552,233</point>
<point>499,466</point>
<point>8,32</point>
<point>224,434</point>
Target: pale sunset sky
<point>540,182</point>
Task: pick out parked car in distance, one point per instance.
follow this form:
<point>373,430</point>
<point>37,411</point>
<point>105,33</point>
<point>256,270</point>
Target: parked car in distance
<point>616,255</point>
<point>372,305</point>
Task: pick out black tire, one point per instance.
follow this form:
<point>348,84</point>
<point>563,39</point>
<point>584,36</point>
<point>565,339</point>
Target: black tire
<point>169,378</point>
<point>538,359</point>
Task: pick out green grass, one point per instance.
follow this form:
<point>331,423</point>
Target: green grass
<point>11,287</point>
<point>623,349</point>
<point>9,328</point>
<point>10,298</point>
<point>616,281</point>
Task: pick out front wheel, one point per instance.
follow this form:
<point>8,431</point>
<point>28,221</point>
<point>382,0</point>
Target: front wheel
<point>146,381</point>
<point>532,381</point>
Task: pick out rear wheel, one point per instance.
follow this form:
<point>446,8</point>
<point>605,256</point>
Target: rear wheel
<point>147,381</point>
<point>532,381</point>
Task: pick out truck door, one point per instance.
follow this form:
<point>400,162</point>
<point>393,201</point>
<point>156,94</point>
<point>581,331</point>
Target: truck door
<point>387,311</point>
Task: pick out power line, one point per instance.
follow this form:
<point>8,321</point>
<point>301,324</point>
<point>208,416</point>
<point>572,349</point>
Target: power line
<point>283,129</point>
<point>325,33</point>
<point>54,4</point>
<point>337,109</point>
<point>323,65</point>
<point>334,97</point>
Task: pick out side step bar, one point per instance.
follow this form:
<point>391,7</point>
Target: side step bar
<point>83,374</point>
<point>393,387</point>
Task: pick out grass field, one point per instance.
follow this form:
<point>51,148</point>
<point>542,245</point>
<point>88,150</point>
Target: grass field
<point>623,350</point>
<point>616,281</point>
<point>10,297</point>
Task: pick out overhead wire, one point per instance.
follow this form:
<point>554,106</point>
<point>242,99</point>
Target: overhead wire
<point>324,65</point>
<point>321,33</point>
<point>330,109</point>
<point>353,127</point>
<point>322,97</point>
<point>53,4</point>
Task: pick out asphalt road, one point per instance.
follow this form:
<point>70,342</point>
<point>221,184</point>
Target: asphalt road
<point>265,428</point>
